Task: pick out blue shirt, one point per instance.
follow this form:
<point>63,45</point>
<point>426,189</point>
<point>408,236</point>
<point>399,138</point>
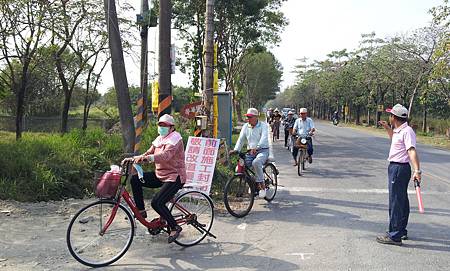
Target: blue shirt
<point>256,137</point>
<point>303,127</point>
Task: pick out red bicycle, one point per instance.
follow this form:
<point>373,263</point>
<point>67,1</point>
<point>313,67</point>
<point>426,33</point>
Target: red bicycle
<point>101,233</point>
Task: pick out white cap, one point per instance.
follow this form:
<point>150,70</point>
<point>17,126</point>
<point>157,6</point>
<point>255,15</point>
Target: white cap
<point>303,110</point>
<point>252,112</point>
<point>398,110</point>
<point>276,110</point>
<point>166,118</point>
<point>291,112</point>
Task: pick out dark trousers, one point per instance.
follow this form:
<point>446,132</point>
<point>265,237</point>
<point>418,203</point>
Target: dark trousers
<point>164,195</point>
<point>286,136</point>
<point>309,146</point>
<point>399,175</point>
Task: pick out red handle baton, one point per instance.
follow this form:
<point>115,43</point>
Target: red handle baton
<point>419,196</point>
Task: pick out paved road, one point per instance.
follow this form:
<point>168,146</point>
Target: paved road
<point>326,220</point>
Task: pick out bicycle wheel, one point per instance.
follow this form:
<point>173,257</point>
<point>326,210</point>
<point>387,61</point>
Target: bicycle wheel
<point>195,210</point>
<point>300,162</point>
<point>91,248</point>
<point>271,181</point>
<point>238,196</point>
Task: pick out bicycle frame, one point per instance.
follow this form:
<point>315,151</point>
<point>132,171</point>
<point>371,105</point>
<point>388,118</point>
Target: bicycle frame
<point>154,224</point>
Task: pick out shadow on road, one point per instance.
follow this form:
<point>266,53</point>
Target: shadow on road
<point>309,211</point>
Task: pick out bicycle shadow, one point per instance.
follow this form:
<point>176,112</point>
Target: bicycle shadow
<point>206,256</point>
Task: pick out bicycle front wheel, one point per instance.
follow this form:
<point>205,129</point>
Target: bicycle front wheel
<point>300,162</point>
<point>85,241</point>
<point>194,212</point>
<point>238,196</point>
<point>271,181</point>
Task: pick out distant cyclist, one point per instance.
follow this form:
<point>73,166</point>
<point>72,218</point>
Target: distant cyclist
<point>304,126</point>
<point>276,120</point>
<point>288,124</point>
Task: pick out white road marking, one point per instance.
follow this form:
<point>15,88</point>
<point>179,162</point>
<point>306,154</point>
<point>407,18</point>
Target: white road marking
<point>242,226</point>
<point>303,256</point>
<point>353,191</point>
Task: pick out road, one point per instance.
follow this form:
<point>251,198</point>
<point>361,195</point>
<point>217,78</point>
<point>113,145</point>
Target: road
<point>325,220</point>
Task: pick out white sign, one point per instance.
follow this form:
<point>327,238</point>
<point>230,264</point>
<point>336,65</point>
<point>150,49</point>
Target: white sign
<point>200,159</point>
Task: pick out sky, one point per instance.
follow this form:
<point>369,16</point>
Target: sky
<point>315,29</point>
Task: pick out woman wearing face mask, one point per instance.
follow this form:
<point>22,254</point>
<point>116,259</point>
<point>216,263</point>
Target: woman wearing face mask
<point>167,152</point>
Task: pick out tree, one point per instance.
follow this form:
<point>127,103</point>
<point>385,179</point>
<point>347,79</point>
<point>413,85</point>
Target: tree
<point>21,29</point>
<point>259,80</point>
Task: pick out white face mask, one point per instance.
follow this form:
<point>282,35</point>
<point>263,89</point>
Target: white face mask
<point>163,131</point>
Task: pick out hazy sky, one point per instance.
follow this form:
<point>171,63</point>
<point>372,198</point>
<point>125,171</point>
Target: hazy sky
<point>315,29</point>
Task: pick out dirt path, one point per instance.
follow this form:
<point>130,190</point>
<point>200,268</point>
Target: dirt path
<point>32,235</point>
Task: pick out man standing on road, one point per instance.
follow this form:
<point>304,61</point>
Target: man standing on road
<point>402,151</point>
<point>256,134</point>
<point>303,126</point>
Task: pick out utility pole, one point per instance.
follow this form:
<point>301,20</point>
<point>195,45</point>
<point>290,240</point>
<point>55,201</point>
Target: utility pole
<point>120,76</point>
<point>144,56</point>
<point>165,85</point>
<point>208,72</point>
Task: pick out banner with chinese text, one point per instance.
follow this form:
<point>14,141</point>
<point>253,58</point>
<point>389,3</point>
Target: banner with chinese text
<point>200,159</point>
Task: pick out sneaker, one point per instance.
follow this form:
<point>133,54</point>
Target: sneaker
<point>262,194</point>
<point>405,237</point>
<point>385,239</point>
<point>310,159</point>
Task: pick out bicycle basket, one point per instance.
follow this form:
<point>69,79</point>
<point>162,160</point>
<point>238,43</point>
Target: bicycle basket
<point>107,185</point>
<point>299,144</point>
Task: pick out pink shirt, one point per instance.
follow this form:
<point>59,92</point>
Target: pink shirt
<point>168,154</point>
<point>403,139</point>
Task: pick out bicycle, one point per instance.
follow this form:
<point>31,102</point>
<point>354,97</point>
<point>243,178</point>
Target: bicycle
<point>240,190</point>
<point>275,130</point>
<point>302,144</point>
<point>101,233</point>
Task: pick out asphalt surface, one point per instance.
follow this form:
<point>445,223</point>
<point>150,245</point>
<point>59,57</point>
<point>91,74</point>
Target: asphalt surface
<point>325,220</point>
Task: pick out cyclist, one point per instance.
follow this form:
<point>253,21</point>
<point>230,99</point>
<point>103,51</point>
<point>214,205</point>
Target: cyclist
<point>256,134</point>
<point>303,126</point>
<point>276,120</point>
<point>269,114</point>
<point>167,152</point>
<point>288,124</point>
<point>335,117</point>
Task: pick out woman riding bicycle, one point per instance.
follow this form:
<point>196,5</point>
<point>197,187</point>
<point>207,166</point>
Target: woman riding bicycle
<point>167,152</point>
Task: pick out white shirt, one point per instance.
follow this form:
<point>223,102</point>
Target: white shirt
<point>257,137</point>
<point>303,127</point>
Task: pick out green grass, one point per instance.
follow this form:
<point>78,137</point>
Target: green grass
<point>45,166</point>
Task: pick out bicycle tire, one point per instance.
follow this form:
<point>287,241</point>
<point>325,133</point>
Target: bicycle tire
<point>237,190</point>
<point>86,223</point>
<point>193,202</point>
<point>299,162</point>
<point>272,183</point>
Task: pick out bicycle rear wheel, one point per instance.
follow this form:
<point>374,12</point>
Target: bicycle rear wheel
<point>91,248</point>
<point>195,211</point>
<point>271,181</point>
<point>238,196</point>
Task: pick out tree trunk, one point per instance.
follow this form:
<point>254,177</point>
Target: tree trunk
<point>20,111</point>
<point>120,78</point>
<point>424,120</point>
<point>358,115</point>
